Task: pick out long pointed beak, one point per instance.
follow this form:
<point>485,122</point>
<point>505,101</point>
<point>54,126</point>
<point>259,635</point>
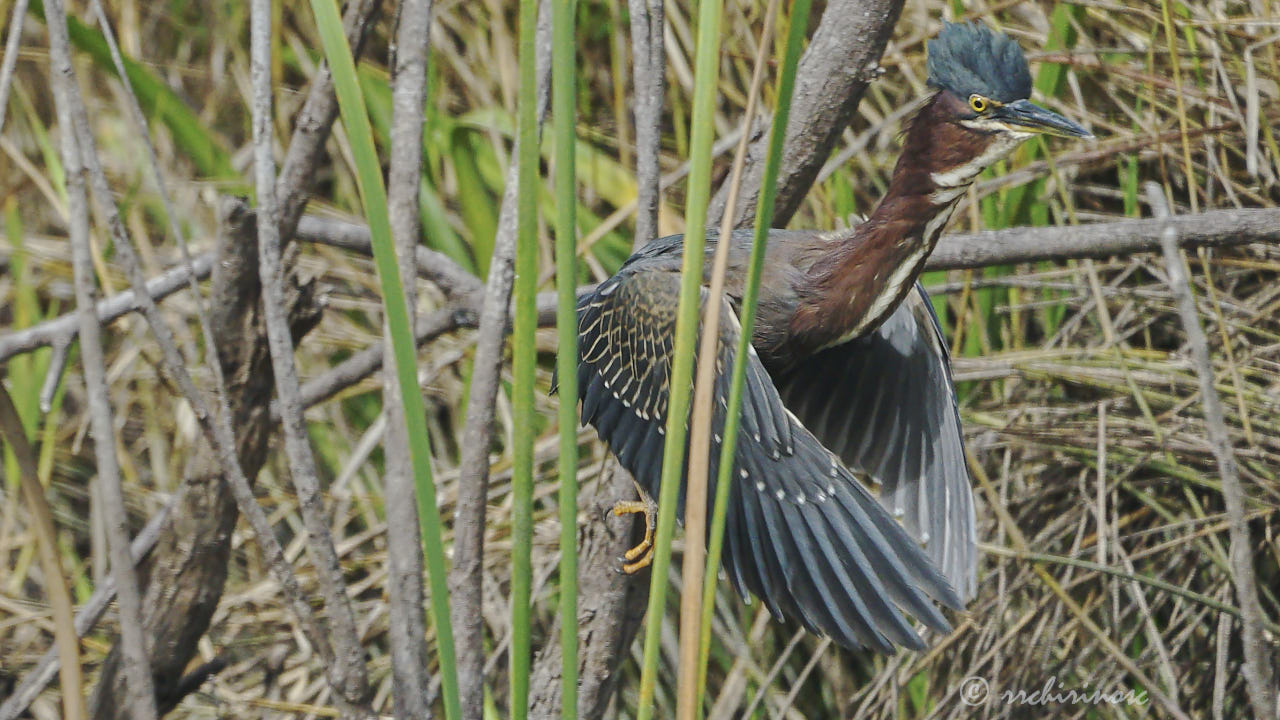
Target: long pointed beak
<point>1028,117</point>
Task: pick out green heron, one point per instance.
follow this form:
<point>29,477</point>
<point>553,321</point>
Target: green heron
<point>848,385</point>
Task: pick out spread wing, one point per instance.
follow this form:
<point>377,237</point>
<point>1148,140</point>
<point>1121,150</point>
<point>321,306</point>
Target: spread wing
<point>802,533</point>
<point>885,403</point>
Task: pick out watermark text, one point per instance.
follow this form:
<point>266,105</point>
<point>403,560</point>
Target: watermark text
<point>975,691</point>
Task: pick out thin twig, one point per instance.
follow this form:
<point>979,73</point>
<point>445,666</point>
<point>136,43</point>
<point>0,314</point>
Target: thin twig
<point>1257,663</point>
<point>141,700</point>
<point>348,668</point>
<point>58,356</point>
<point>467,576</point>
<point>783,709</point>
<point>11,46</point>
<point>1213,228</point>
<point>175,228</point>
<point>409,671</point>
<point>648,57</point>
<point>766,683</point>
<point>63,329</point>
<point>370,360</point>
<point>452,279</point>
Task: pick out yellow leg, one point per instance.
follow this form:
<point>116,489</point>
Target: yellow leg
<point>643,551</point>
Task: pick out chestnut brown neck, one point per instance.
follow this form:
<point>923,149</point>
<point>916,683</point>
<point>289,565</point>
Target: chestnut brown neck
<point>864,275</point>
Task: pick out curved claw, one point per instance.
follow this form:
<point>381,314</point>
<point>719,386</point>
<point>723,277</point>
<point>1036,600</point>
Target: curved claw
<point>642,554</point>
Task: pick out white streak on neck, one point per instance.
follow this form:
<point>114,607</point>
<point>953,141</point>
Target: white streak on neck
<point>947,195</point>
<point>1001,145</point>
<point>949,186</point>
<point>907,269</point>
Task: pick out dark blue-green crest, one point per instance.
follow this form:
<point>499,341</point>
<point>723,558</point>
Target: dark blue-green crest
<point>969,58</point>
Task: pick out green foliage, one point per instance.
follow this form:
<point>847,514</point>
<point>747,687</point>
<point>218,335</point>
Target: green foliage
<point>25,378</point>
<point>524,364</point>
<point>564,89</point>
<point>202,147</point>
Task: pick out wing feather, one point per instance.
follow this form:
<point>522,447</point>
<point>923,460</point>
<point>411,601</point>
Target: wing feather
<point>889,408</point>
<point>804,534</point>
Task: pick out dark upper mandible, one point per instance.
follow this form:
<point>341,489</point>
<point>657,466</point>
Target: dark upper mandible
<point>969,58</point>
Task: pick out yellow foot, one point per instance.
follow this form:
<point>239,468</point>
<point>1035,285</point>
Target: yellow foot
<point>643,551</point>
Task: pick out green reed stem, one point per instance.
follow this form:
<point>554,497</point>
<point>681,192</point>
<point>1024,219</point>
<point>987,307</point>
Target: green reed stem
<point>563,95</point>
<point>764,218</point>
<point>706,77</point>
<point>524,360</point>
<point>373,195</point>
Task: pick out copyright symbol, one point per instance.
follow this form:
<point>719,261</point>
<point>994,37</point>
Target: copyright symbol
<point>974,691</point>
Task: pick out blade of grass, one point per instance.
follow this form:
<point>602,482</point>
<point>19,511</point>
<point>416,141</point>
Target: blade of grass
<point>475,203</point>
<point>1175,63</point>
<point>23,371</point>
<point>563,94</point>
<point>373,195</point>
<point>693,605</point>
<point>798,23</point>
<point>706,77</point>
<point>55,583</point>
<point>524,361</point>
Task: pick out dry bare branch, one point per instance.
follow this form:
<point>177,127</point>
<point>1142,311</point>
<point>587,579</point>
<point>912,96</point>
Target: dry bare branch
<point>10,61</point>
<point>1213,228</point>
<point>348,670</point>
<point>842,59</point>
<point>649,68</point>
<point>412,681</point>
<point>140,699</point>
<point>467,575</point>
<point>1257,660</point>
<point>62,330</point>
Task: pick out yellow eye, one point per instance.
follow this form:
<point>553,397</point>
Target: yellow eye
<point>978,103</point>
